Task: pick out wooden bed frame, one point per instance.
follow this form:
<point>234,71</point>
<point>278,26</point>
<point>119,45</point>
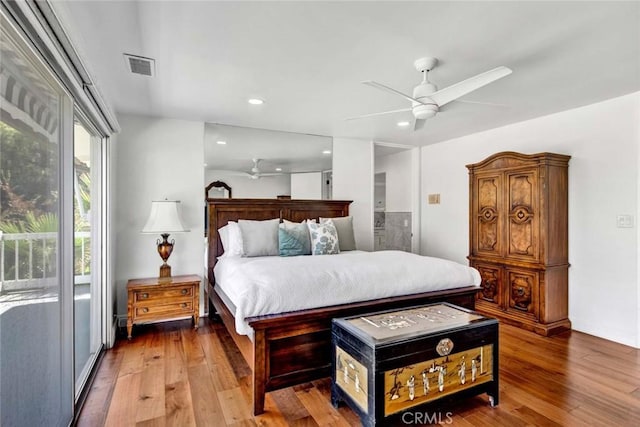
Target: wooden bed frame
<point>292,348</point>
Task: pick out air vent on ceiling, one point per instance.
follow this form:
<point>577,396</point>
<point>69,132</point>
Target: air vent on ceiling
<point>140,65</point>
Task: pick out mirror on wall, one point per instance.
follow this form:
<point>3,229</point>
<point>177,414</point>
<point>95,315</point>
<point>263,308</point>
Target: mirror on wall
<point>261,163</point>
<point>217,190</point>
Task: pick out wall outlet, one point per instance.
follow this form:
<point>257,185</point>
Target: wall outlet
<point>624,221</point>
<point>434,199</point>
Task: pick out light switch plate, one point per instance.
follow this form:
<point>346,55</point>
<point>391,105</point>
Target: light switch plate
<point>434,199</point>
<point>624,221</point>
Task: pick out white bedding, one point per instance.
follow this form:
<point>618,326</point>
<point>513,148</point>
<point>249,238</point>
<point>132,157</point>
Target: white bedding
<point>269,285</point>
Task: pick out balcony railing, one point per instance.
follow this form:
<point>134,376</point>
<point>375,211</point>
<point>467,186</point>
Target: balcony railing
<point>29,260</point>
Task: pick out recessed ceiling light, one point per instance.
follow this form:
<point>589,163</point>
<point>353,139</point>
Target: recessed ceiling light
<point>278,169</point>
<point>326,152</point>
<point>403,124</point>
<point>256,101</point>
<point>221,142</point>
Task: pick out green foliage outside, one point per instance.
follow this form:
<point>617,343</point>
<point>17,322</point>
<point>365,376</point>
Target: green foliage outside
<point>29,204</point>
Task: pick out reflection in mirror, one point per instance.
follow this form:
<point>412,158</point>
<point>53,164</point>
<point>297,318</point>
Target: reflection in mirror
<point>392,214</point>
<point>260,163</point>
<point>217,190</point>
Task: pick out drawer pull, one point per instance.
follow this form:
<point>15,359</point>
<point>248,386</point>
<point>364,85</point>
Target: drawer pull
<point>145,310</point>
<point>183,305</point>
<point>145,295</point>
<point>184,291</point>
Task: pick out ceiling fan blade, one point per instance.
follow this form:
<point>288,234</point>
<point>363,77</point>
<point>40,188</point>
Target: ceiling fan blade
<point>492,104</point>
<point>232,173</point>
<point>379,114</point>
<point>445,108</point>
<point>390,90</point>
<point>270,174</point>
<point>418,124</point>
<point>462,88</point>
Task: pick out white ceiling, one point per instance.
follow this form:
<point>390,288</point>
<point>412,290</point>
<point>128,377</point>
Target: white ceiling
<point>307,59</point>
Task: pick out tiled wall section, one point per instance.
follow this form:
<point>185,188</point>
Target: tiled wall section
<point>398,231</point>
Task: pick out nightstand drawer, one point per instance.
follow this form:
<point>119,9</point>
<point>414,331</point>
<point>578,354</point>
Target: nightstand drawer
<point>160,299</point>
<point>156,311</point>
<point>156,294</point>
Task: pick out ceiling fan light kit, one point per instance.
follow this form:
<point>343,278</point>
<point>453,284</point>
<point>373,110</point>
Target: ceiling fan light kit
<point>427,99</point>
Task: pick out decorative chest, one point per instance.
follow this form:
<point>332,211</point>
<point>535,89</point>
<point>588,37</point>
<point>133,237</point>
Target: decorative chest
<point>388,366</point>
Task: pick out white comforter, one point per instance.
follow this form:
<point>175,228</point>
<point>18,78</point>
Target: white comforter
<point>269,285</point>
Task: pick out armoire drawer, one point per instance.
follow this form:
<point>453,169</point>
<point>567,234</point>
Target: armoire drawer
<point>522,290</point>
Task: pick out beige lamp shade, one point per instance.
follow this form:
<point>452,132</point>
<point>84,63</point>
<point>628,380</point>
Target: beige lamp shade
<point>164,218</point>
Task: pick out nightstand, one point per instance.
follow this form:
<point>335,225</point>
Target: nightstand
<point>162,298</point>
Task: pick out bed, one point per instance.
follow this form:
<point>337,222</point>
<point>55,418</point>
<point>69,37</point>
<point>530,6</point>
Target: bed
<point>293,347</point>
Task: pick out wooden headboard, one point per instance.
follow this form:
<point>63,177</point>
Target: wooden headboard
<point>222,211</point>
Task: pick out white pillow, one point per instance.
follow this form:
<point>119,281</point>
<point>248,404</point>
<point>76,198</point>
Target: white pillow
<point>324,238</point>
<point>286,223</point>
<point>344,227</point>
<point>231,238</point>
<point>260,238</point>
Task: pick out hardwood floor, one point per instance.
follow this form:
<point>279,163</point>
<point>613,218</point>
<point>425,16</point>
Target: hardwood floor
<point>172,375</point>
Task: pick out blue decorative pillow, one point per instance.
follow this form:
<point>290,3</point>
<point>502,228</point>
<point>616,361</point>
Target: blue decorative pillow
<point>294,240</point>
<point>324,239</point>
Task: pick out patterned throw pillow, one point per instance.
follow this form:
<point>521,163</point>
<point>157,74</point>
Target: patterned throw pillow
<point>294,240</point>
<point>324,239</point>
<point>344,227</point>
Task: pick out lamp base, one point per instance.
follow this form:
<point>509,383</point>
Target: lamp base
<point>165,270</point>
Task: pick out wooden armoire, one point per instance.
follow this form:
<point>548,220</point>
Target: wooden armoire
<point>518,238</point>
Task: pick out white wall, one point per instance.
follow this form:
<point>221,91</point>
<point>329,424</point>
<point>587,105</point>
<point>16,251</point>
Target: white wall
<point>603,182</point>
<point>243,187</point>
<point>157,159</point>
<point>353,180</point>
<point>306,186</point>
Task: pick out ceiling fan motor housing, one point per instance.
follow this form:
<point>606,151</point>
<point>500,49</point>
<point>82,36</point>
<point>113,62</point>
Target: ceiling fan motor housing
<point>422,111</point>
<point>428,108</point>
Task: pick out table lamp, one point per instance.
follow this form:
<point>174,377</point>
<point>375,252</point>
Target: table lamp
<point>164,219</point>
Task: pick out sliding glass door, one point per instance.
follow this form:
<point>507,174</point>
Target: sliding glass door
<point>36,370</point>
<point>87,249</point>
<point>51,238</point>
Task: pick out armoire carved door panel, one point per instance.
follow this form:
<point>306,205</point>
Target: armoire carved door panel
<point>491,283</point>
<point>522,228</point>
<point>522,287</point>
<point>487,238</point>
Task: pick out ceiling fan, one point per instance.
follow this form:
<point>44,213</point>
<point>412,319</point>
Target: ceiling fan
<point>255,172</point>
<point>427,99</point>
